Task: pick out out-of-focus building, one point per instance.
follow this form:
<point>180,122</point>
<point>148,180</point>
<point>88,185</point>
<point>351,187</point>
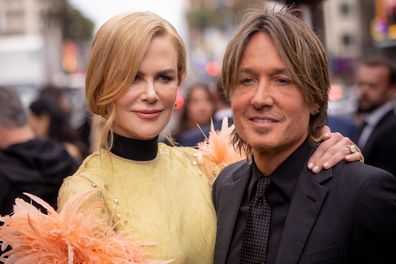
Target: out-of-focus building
<point>210,25</point>
<point>20,17</point>
<point>343,33</point>
<point>40,42</point>
<point>29,48</point>
<point>342,23</point>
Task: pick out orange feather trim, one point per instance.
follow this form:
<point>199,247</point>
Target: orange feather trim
<point>68,237</point>
<point>218,149</point>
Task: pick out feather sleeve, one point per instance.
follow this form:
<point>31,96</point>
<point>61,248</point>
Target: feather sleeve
<point>71,236</point>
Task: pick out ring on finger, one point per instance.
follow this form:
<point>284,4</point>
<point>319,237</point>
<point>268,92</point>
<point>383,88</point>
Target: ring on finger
<point>352,149</point>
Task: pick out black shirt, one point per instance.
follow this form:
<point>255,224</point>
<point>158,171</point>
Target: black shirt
<point>279,195</point>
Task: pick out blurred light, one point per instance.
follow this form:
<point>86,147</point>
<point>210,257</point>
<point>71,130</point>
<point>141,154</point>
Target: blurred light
<point>69,60</point>
<point>179,101</point>
<point>213,68</point>
<point>335,92</point>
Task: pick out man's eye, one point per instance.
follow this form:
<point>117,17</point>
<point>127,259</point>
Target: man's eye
<point>282,81</point>
<point>246,81</point>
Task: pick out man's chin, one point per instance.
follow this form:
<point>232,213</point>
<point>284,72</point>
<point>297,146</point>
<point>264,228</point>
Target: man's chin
<point>366,109</point>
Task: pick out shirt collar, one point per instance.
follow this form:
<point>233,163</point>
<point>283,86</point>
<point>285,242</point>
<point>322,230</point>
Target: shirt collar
<point>286,175</point>
<point>373,118</point>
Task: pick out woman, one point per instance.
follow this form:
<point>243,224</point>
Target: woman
<point>48,120</point>
<point>154,192</point>
<point>198,110</point>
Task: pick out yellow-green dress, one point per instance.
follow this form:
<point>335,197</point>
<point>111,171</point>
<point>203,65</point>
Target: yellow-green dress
<point>164,203</point>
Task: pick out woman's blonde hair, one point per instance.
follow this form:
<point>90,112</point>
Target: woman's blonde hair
<point>117,52</point>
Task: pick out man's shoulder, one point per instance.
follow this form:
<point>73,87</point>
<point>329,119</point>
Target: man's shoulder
<point>357,174</point>
<point>387,121</point>
<point>227,173</point>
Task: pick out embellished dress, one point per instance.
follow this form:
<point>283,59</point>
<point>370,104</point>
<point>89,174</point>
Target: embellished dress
<point>156,193</point>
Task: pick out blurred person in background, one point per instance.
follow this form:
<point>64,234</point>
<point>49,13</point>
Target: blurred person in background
<point>27,164</point>
<point>343,125</point>
<point>223,110</point>
<point>223,106</point>
<point>198,111</point>
<point>48,120</point>
<point>58,95</point>
<point>376,84</point>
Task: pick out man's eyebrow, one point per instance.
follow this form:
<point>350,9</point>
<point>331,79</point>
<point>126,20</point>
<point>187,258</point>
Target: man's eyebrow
<point>273,71</point>
<point>280,71</point>
<point>245,70</point>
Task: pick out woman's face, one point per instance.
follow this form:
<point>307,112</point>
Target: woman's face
<point>39,124</point>
<point>144,109</point>
<point>200,108</point>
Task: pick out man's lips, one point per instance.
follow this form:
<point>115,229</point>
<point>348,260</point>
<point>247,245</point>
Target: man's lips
<point>263,119</point>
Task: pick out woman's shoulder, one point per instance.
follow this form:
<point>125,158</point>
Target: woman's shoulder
<point>185,152</point>
<point>191,158</point>
<point>91,174</point>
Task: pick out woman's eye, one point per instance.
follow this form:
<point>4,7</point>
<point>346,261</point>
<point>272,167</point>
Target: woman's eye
<point>165,78</point>
<point>138,78</point>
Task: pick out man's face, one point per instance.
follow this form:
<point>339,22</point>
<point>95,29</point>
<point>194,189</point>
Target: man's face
<point>269,111</point>
<point>373,86</point>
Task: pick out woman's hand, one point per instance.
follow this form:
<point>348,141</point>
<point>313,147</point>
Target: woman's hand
<point>333,148</point>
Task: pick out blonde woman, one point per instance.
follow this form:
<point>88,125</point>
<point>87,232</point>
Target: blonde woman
<point>154,192</point>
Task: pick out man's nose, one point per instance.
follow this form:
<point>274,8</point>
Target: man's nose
<point>263,95</point>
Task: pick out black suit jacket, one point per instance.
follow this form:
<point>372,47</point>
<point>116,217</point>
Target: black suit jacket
<point>380,148</point>
<point>342,215</point>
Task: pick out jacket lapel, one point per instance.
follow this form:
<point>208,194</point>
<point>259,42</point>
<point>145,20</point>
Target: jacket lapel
<point>232,198</point>
<point>303,212</point>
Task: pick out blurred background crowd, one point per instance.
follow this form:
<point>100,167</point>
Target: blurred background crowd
<point>44,46</point>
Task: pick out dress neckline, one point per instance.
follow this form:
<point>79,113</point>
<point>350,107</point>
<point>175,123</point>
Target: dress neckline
<point>134,149</point>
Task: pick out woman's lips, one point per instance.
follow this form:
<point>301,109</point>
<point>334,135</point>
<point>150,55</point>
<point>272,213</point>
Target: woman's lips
<point>148,114</point>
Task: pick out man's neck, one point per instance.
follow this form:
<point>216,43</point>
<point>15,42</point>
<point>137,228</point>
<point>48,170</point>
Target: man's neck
<point>268,160</point>
<point>11,136</point>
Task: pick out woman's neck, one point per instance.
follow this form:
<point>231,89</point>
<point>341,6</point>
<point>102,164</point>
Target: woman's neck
<point>135,149</point>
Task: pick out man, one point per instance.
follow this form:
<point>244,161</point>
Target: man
<point>272,209</point>
<point>26,163</point>
<point>376,82</point>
